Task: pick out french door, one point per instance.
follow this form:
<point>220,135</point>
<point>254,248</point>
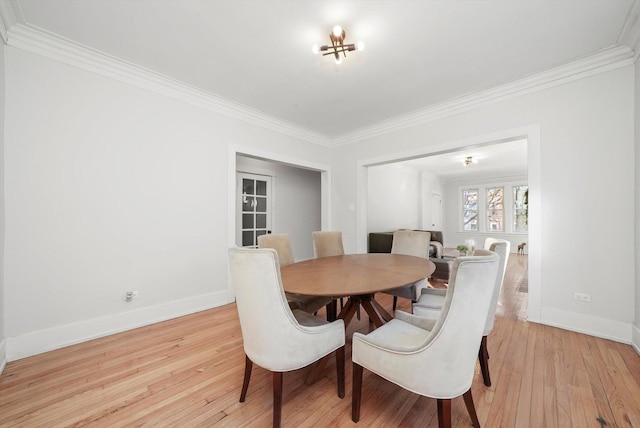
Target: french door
<point>254,208</point>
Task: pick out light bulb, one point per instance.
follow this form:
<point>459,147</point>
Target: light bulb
<point>337,31</point>
<point>339,60</point>
<point>360,45</point>
<point>315,49</point>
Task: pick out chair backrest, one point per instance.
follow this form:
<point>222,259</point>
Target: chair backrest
<point>269,329</point>
<point>502,247</point>
<point>279,242</point>
<point>447,360</point>
<point>411,243</point>
<point>327,244</point>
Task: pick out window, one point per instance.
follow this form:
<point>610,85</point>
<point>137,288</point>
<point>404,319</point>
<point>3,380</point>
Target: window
<point>495,209</point>
<point>498,207</point>
<point>470,209</point>
<point>520,208</point>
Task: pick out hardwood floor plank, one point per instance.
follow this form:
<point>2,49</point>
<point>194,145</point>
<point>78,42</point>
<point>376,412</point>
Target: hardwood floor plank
<point>188,372</point>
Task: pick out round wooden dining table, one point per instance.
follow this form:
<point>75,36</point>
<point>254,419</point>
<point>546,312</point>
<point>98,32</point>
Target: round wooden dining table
<point>356,276</point>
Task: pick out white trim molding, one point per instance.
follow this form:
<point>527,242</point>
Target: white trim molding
<point>50,45</point>
<point>65,335</point>
<point>594,326</point>
<point>53,46</point>
<point>630,33</point>
<point>635,338</point>
<point>3,355</point>
<point>600,62</point>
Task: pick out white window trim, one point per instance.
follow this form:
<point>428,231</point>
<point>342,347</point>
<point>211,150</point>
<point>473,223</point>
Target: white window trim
<point>482,207</point>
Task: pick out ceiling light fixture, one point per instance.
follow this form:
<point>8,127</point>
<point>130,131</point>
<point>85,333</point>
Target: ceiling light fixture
<point>337,46</point>
<point>469,160</point>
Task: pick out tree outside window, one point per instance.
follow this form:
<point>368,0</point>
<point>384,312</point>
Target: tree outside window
<point>470,209</point>
<point>495,209</point>
<point>520,208</point>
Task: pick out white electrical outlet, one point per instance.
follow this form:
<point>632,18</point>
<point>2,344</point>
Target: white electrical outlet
<point>582,297</point>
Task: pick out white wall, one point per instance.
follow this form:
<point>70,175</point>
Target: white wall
<point>432,185</point>
<point>2,305</point>
<point>296,204</point>
<point>109,188</point>
<point>394,199</point>
<point>586,136</point>
<point>453,235</point>
<point>636,330</point>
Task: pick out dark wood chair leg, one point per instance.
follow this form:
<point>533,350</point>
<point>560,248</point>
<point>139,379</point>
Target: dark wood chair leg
<point>483,357</point>
<point>356,395</point>
<point>444,413</point>
<point>395,303</point>
<point>248,365</point>
<point>340,370</point>
<point>332,310</point>
<point>468,401</point>
<point>277,399</point>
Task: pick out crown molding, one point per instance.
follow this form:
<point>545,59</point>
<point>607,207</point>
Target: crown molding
<point>41,42</point>
<point>600,62</point>
<point>52,46</point>
<point>630,33</point>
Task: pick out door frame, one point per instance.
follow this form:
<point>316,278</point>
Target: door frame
<point>532,134</point>
<point>325,184</point>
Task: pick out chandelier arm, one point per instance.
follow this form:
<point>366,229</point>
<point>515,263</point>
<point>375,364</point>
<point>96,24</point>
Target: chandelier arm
<point>343,48</point>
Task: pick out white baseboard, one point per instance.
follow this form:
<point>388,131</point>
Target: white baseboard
<point>635,338</point>
<point>58,337</point>
<point>593,326</point>
<point>3,355</point>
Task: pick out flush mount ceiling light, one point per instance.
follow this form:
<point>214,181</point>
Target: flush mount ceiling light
<point>469,160</point>
<point>337,46</point>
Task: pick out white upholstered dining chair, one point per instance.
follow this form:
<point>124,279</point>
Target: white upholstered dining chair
<point>280,242</point>
<point>429,305</point>
<point>274,336</point>
<point>433,358</point>
<point>410,243</point>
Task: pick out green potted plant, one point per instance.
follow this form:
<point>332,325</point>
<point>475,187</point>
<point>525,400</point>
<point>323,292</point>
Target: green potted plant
<point>463,249</point>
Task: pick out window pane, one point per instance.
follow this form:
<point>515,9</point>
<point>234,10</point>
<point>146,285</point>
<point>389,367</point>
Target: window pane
<point>247,239</point>
<point>261,188</point>
<point>262,205</point>
<point>261,221</point>
<point>248,203</point>
<point>470,209</point>
<point>520,208</point>
<point>247,186</point>
<point>247,221</point>
<point>495,209</point>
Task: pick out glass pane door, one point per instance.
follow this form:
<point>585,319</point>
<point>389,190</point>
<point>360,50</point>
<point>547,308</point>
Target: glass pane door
<point>254,208</point>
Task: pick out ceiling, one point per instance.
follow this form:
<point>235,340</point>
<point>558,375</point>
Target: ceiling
<point>257,53</point>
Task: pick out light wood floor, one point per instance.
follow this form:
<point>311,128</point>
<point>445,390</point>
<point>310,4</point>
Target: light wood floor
<point>187,372</point>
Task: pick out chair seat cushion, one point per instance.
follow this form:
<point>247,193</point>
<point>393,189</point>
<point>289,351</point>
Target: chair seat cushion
<point>307,303</point>
<point>428,306</point>
<point>399,336</point>
<point>306,319</point>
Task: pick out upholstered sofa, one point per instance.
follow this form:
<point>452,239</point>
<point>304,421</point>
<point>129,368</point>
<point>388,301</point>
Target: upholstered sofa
<point>381,242</point>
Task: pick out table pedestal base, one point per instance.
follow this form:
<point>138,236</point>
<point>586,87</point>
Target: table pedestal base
<point>377,315</point>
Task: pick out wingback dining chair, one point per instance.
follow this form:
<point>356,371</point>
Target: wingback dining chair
<point>429,305</point>
<point>274,336</point>
<point>328,243</point>
<point>280,242</point>
<point>410,243</point>
<point>433,358</point>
